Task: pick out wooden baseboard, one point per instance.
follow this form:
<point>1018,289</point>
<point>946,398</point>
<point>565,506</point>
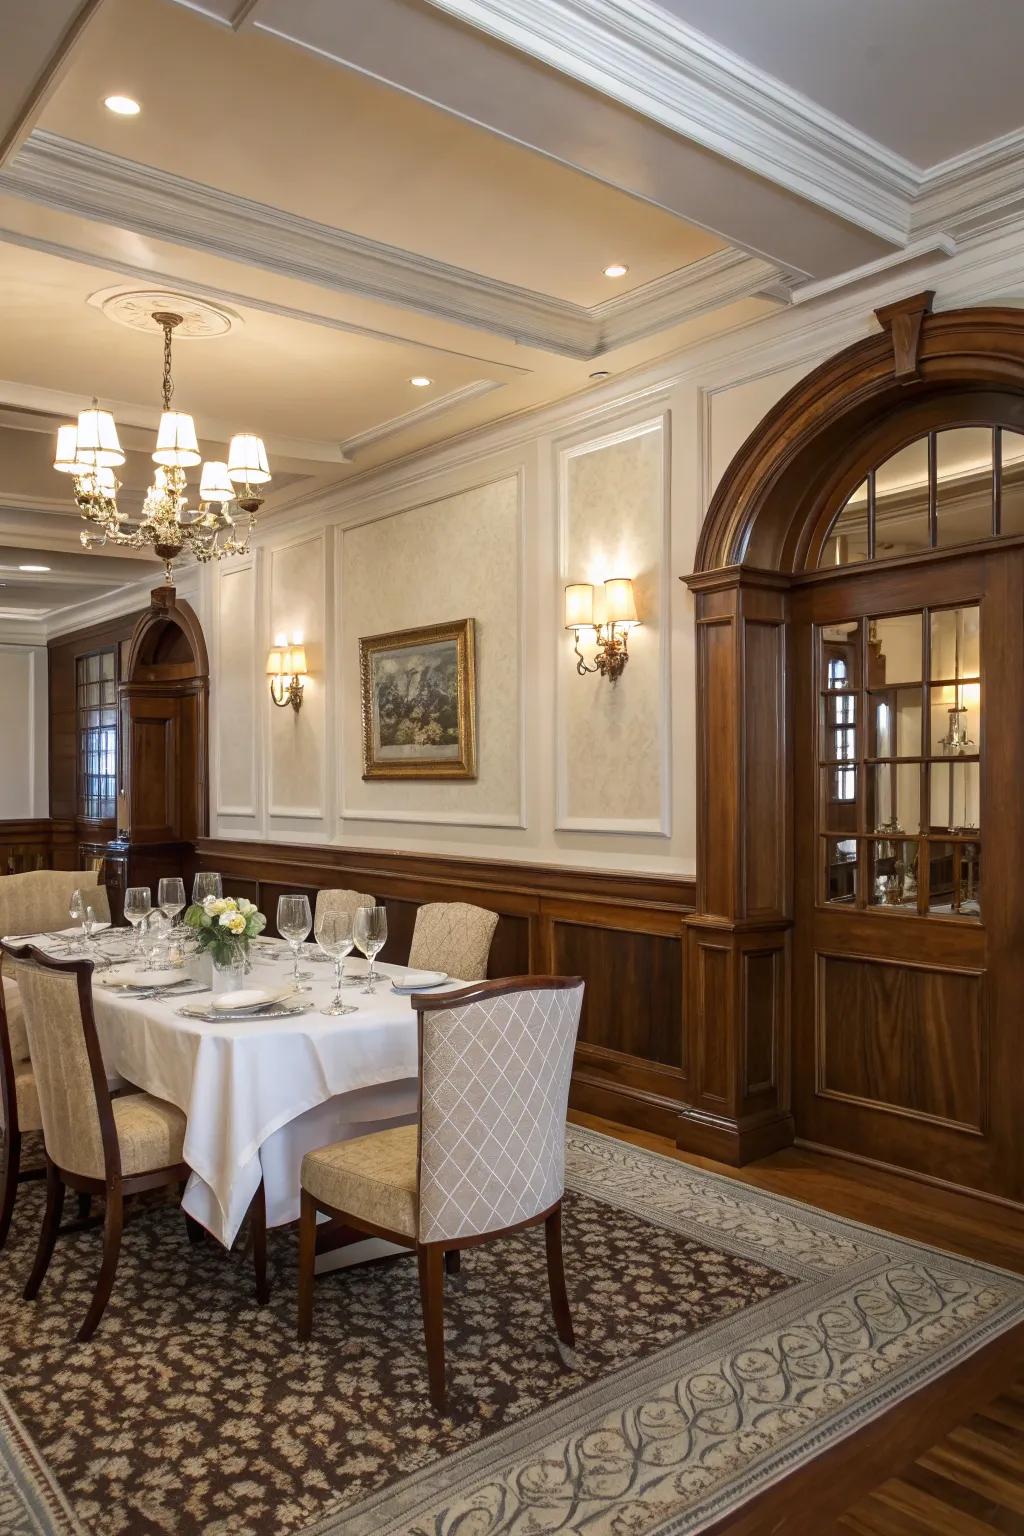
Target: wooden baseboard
<point>735,1142</point>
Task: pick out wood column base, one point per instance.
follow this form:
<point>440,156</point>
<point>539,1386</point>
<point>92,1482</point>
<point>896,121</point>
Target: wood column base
<point>733,1141</point>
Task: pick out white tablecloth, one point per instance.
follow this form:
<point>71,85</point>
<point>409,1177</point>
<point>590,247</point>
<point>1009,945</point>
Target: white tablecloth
<point>259,1094</point>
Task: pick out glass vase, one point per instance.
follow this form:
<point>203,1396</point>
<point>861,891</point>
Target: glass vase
<point>229,965</point>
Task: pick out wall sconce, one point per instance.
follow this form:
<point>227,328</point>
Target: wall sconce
<point>611,617</point>
<point>286,668</point>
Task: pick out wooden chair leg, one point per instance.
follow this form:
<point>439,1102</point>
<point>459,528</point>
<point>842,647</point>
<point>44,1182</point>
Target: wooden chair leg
<point>431,1267</point>
<point>307,1264</point>
<point>258,1230</point>
<point>47,1232</point>
<point>556,1278</point>
<point>84,1206</point>
<point>195,1229</point>
<point>9,1188</point>
<point>113,1225</point>
<point>452,1261</point>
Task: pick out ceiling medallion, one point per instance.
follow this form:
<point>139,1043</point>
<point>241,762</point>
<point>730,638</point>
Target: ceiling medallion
<point>90,451</point>
<point>138,308</point>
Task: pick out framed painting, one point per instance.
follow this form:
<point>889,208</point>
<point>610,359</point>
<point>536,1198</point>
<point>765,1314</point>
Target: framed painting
<point>419,703</point>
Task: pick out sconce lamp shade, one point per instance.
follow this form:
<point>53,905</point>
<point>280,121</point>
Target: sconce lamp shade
<point>619,603</point>
<point>66,458</point>
<point>176,444</point>
<point>296,659</point>
<point>579,605</point>
<point>247,460</point>
<point>214,484</point>
<point>275,665</point>
<point>96,440</point>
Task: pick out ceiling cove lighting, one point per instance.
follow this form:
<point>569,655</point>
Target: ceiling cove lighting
<point>420,381</point>
<point>123,106</point>
<point>617,269</point>
<point>90,451</point>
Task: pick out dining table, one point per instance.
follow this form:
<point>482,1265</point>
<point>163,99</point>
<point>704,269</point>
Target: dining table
<point>258,1093</point>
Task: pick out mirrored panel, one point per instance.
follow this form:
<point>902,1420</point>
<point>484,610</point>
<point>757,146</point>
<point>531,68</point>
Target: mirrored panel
<point>901,502</point>
<point>894,652</point>
<point>893,874</point>
<point>955,643</point>
<point>894,797</point>
<point>894,723</point>
<point>847,543</point>
<point>954,728</point>
<point>963,485</point>
<point>955,797</point>
<point>840,655</point>
<point>1012,487</point>
<point>840,870</point>
<point>954,879</point>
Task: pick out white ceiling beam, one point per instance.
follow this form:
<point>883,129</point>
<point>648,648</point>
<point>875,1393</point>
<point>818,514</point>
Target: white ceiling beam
<point>37,42</point>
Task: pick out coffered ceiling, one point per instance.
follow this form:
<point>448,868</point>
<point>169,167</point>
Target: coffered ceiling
<point>376,190</point>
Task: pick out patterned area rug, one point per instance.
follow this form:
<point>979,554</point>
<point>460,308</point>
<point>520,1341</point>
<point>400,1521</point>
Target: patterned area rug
<point>725,1337</point>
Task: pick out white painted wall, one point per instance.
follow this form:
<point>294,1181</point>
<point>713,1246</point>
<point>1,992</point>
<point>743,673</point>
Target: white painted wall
<point>24,787</point>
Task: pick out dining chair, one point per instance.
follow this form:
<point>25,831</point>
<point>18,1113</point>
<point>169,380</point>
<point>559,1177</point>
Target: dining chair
<point>486,1157</point>
<point>453,937</point>
<point>341,901</point>
<point>37,901</point>
<point>94,1143</point>
<point>19,1104</point>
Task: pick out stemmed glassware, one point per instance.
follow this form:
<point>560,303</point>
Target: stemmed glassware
<point>138,904</point>
<point>294,920</point>
<point>170,896</point>
<point>370,931</point>
<point>205,884</point>
<point>334,936</point>
<point>76,912</point>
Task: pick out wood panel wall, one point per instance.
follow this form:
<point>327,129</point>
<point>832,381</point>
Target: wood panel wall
<point>623,933</point>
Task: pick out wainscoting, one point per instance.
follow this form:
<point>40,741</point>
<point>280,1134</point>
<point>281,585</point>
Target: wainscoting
<point>622,933</point>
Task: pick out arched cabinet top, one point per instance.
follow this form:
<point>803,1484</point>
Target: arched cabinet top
<point>920,373</point>
<point>167,641</point>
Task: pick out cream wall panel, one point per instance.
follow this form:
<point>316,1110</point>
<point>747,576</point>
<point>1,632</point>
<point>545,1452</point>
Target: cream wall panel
<point>457,557</point>
<point>297,605</point>
<point>234,714</point>
<point>612,739</point>
<point>736,411</point>
<point>23,747</point>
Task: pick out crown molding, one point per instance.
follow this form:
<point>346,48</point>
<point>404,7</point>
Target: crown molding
<point>977,192</point>
<point>92,183</point>
<point>417,416</point>
<point>656,64</point>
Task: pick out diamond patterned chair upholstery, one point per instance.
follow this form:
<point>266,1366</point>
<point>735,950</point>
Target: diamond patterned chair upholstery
<point>341,901</point>
<point>488,1155</point>
<point>453,937</point>
<point>92,1143</point>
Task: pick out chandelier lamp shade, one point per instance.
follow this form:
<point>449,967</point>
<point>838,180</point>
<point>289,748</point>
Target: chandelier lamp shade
<point>90,451</point>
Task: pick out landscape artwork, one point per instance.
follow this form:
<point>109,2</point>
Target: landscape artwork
<point>419,703</point>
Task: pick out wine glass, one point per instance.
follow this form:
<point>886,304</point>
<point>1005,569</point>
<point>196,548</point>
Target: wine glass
<point>153,935</point>
<point>138,904</point>
<point>170,896</point>
<point>205,884</point>
<point>334,936</point>
<point>76,912</point>
<point>370,930</point>
<point>294,920</point>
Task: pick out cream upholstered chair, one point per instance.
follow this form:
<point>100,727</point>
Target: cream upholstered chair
<point>37,902</point>
<point>486,1158</point>
<point>453,937</point>
<point>341,901</point>
<point>94,1144</point>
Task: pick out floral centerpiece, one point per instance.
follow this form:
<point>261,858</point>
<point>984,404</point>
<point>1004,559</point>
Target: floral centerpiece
<point>224,926</point>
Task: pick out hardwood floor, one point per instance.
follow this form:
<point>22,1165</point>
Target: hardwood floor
<point>949,1463</point>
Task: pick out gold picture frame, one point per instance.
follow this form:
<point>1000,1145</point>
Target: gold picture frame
<point>419,702</point>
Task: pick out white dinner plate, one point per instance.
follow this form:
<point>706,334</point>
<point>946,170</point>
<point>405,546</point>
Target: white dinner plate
<point>249,999</point>
<point>127,977</point>
<point>418,981</point>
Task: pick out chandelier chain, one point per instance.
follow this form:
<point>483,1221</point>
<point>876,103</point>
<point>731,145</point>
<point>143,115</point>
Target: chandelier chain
<point>168,382</point>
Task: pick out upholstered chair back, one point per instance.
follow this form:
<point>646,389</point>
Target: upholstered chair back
<point>341,901</point>
<point>58,1040</point>
<point>453,937</point>
<point>494,1093</point>
<point>37,902</point>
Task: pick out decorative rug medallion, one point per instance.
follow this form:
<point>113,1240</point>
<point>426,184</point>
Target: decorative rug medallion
<point>725,1337</point>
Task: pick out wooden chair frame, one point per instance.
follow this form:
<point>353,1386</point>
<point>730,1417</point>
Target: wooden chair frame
<point>13,1174</point>
<point>114,1186</point>
<point>434,1259</point>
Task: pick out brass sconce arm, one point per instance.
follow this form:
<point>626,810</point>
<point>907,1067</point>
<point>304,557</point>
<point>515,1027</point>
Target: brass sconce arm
<point>287,691</point>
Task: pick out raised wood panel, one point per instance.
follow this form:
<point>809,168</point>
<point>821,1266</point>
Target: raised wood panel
<point>634,997</point>
<point>764,797</point>
<point>717,755</point>
<point>906,1039</point>
<point>762,981</point>
<point>714,985</point>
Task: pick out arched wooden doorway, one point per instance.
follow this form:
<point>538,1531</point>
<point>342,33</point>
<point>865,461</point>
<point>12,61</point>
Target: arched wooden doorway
<point>856,962</point>
<point>162,802</point>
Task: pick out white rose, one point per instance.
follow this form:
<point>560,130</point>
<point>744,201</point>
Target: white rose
<point>234,922</point>
<point>245,906</point>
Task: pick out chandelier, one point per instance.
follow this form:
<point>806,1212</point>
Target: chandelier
<point>90,451</point>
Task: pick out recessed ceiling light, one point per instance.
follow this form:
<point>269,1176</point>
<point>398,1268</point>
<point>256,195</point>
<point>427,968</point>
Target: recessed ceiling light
<point>617,269</point>
<point>420,381</point>
<point>602,373</point>
<point>124,106</point>
<point>39,568</point>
